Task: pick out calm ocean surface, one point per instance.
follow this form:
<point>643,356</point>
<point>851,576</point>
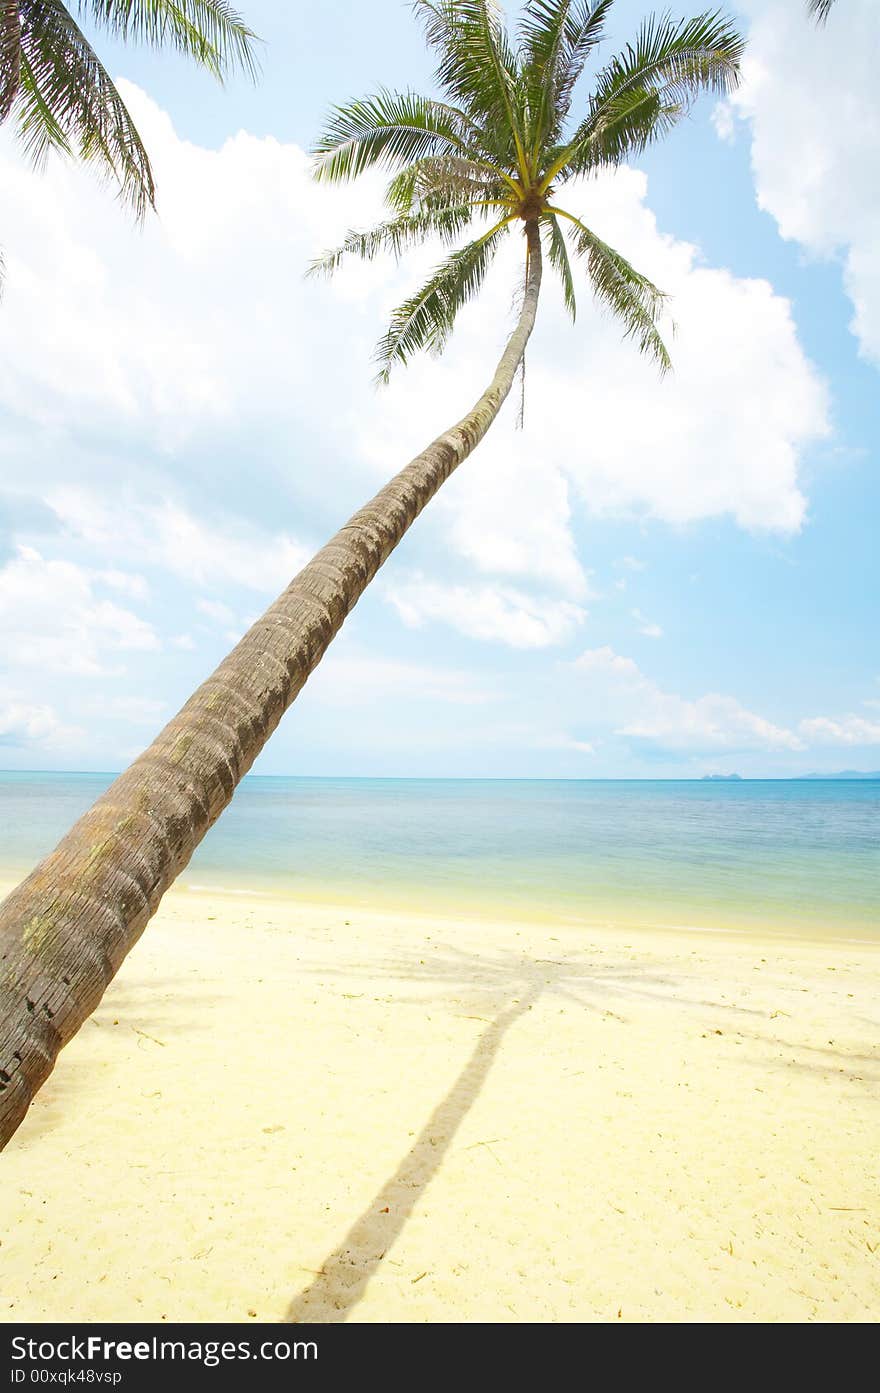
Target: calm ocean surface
<point>792,856</point>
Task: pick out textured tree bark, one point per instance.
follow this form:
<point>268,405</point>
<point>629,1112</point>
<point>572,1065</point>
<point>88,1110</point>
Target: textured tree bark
<point>66,929</point>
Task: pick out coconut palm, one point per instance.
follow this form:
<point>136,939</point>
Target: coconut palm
<point>55,88</point>
<point>509,130</point>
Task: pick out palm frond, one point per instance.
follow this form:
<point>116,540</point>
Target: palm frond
<point>470,131</point>
<point>396,236</point>
<point>37,127</point>
<point>478,68</point>
<point>390,129</point>
<point>672,61</point>
<point>585,29</point>
<point>555,40</point>
<point>10,55</point>
<point>210,31</point>
<point>678,60</point>
<point>557,253</point>
<point>630,122</point>
<point>426,319</point>
<point>630,296</point>
<point>439,181</point>
<point>67,101</point>
<point>820,9</point>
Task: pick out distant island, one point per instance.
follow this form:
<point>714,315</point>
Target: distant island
<point>843,774</point>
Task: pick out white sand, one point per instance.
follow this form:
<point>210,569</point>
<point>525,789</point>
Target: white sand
<point>293,1112</point>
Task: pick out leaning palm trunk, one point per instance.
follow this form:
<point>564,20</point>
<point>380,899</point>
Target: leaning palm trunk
<point>66,929</point>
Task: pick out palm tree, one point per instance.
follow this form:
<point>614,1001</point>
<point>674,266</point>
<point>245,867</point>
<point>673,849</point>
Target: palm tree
<point>820,8</point>
<point>62,98</point>
<point>497,146</point>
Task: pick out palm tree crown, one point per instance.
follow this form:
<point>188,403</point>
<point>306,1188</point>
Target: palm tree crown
<point>501,144</point>
<point>53,82</point>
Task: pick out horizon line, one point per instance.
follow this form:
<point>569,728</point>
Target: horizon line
<point>847,776</point>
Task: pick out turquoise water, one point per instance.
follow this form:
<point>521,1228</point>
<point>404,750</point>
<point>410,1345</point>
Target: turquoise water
<point>796,856</point>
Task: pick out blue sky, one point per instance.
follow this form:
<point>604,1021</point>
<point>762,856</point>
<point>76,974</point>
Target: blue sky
<point>651,579</point>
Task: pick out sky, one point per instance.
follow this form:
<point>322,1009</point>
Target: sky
<point>651,578</point>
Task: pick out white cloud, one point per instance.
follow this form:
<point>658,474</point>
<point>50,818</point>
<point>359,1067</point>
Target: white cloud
<point>644,713</point>
<point>605,660</point>
<point>168,536</point>
<point>510,516</point>
<point>28,725</point>
<point>724,121</point>
<point>167,360</point>
<point>132,710</point>
<point>846,730</point>
<point>351,679</point>
<point>211,328</point>
<point>137,385</point>
<point>646,626</point>
<point>53,616</point>
<point>129,584</point>
<point>216,610</point>
<point>724,434</point>
<point>810,95</point>
<point>541,741</point>
<point>712,722</point>
<point>498,613</point>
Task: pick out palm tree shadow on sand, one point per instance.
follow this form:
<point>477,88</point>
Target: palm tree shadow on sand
<point>510,985</point>
<point>343,1278</point>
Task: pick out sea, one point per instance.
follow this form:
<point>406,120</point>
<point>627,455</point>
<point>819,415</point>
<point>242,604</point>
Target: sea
<point>795,857</point>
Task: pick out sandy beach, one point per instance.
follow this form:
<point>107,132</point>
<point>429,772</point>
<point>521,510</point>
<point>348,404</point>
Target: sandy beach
<point>309,1113</point>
